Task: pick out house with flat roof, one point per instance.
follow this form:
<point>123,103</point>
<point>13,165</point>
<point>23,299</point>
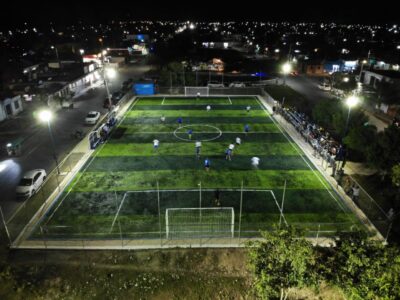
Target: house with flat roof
<point>372,77</point>
<point>10,105</point>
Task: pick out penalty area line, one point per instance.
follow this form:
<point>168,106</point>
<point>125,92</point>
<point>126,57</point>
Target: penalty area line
<point>116,215</point>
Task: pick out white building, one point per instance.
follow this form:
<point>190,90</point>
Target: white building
<point>372,77</point>
<point>10,106</point>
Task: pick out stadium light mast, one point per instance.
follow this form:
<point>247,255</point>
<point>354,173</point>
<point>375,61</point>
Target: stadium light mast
<point>55,48</point>
<point>351,102</point>
<point>110,73</point>
<point>45,116</point>
<point>364,62</point>
<point>286,69</point>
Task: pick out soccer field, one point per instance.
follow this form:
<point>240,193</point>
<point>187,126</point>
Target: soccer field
<point>126,187</point>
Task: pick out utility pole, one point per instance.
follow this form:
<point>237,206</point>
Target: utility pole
<point>362,65</point>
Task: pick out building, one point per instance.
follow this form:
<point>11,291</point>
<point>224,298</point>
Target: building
<point>372,77</point>
<point>340,65</point>
<point>312,68</point>
<point>10,106</point>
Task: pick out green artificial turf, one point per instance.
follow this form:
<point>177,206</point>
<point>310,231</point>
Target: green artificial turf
<point>98,204</point>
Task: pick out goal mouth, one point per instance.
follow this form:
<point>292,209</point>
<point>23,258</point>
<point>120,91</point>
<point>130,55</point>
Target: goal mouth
<point>196,91</point>
<point>207,222</point>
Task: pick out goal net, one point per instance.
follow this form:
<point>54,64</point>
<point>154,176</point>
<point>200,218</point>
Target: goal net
<point>199,222</point>
<point>195,91</point>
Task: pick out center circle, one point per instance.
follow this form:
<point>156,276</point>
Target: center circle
<point>200,132</point>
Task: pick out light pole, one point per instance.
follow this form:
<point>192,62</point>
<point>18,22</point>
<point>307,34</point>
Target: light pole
<point>45,116</point>
<point>107,72</point>
<point>55,48</point>
<point>350,102</point>
<point>286,69</point>
<point>361,70</point>
<point>110,73</point>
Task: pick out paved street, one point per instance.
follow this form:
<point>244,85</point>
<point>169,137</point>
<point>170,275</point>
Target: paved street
<point>308,86</point>
<point>36,148</point>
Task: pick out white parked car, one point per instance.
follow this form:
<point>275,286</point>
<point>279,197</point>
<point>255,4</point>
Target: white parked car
<point>92,117</point>
<point>324,86</point>
<point>30,183</point>
<point>237,85</point>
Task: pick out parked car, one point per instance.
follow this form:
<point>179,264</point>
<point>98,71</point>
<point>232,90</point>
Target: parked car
<point>30,183</point>
<point>92,117</point>
<point>237,84</point>
<point>324,86</point>
<point>116,96</point>
<point>214,84</point>
<point>126,85</point>
<point>67,104</point>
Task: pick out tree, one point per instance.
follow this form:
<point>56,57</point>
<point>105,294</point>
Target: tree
<point>396,175</point>
<point>388,93</point>
<point>344,82</point>
<point>176,74</point>
<point>360,137</point>
<point>333,115</point>
<point>281,261</point>
<point>384,153</point>
<point>365,268</point>
<point>322,113</point>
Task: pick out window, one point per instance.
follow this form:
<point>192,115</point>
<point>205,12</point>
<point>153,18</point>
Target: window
<point>16,105</point>
<point>36,177</point>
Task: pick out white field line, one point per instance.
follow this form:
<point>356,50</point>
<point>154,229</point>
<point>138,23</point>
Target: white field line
<point>162,102</point>
<point>206,190</point>
<point>168,132</point>
<point>302,156</point>
<point>116,215</point>
<point>281,211</point>
<point>88,165</point>
<point>229,98</point>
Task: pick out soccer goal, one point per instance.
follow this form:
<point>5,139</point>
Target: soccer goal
<point>196,91</point>
<point>204,222</point>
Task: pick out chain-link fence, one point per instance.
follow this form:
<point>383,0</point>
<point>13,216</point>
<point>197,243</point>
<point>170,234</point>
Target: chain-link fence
<point>325,152</point>
<point>170,218</point>
<point>375,213</point>
<point>223,91</point>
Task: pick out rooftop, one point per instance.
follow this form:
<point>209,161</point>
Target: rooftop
<point>387,73</point>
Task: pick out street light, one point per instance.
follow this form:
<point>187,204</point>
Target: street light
<point>45,116</point>
<point>361,70</point>
<point>55,48</point>
<point>111,73</point>
<point>286,69</point>
<point>81,51</point>
<point>350,102</point>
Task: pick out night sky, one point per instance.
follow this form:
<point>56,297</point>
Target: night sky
<point>14,12</point>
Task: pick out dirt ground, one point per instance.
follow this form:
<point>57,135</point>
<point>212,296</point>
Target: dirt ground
<point>156,274</point>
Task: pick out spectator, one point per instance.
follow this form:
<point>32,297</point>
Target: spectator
<point>356,194</point>
<point>216,196</point>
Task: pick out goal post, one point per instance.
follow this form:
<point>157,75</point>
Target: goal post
<point>210,222</point>
<point>196,91</point>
